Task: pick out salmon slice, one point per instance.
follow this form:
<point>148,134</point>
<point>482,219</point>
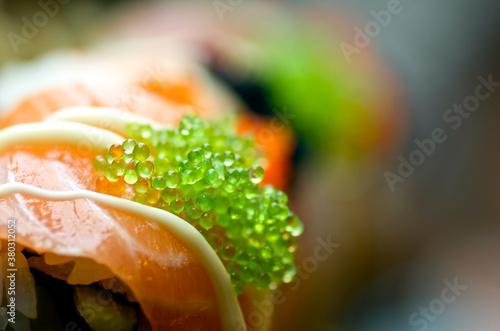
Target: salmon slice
<point>164,275</point>
<point>160,89</point>
<point>39,106</point>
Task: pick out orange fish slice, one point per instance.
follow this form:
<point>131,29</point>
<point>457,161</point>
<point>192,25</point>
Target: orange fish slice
<point>164,275</point>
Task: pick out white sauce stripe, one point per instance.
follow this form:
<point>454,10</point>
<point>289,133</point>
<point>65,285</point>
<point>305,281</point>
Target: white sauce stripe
<point>86,138</point>
<point>231,315</point>
<point>106,118</point>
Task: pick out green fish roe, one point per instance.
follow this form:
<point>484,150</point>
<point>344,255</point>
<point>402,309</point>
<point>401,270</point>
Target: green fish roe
<point>197,171</point>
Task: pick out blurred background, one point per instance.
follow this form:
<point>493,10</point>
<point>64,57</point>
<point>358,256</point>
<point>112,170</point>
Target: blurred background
<point>412,233</point>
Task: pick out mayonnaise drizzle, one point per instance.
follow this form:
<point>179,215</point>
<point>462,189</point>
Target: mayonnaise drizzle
<point>82,136</point>
<point>86,137</point>
<point>112,119</point>
<point>231,315</point>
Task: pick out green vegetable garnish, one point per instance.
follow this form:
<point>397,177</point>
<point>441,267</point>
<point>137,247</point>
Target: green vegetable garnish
<point>198,172</point>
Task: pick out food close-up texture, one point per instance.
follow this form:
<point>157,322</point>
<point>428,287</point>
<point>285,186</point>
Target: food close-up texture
<point>249,165</point>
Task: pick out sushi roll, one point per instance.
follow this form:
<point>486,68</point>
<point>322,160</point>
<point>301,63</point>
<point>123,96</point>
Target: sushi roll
<point>164,213</point>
